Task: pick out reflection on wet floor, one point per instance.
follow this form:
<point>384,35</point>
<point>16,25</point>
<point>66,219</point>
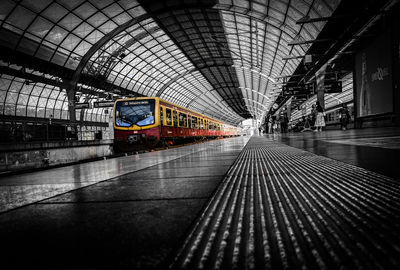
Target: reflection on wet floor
<point>392,142</point>
<point>375,149</point>
<point>22,189</point>
<point>302,209</point>
<point>134,220</point>
<point>280,207</point>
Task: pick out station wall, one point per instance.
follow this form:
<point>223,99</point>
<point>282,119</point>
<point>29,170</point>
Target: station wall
<point>44,156</point>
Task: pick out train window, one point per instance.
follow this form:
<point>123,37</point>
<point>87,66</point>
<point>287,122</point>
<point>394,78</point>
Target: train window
<point>175,118</point>
<point>205,124</point>
<point>134,112</point>
<point>194,122</point>
<point>201,126</point>
<point>182,120</point>
<point>161,116</point>
<point>168,117</point>
<point>210,126</point>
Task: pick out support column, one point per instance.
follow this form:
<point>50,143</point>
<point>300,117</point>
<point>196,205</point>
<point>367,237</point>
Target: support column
<point>71,107</point>
<point>396,68</point>
<point>320,78</point>
<point>255,125</point>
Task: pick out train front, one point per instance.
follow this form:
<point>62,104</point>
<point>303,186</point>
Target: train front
<point>136,125</point>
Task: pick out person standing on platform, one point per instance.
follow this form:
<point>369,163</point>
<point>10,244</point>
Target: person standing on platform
<point>344,116</point>
<point>275,125</point>
<point>284,123</point>
<point>320,120</point>
<point>313,115</point>
<point>270,123</point>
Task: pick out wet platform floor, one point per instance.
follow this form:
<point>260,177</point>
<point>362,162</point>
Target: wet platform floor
<point>286,208</point>
<point>130,212</point>
<point>374,149</point>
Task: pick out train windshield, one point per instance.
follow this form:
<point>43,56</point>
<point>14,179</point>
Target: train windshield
<point>134,112</point>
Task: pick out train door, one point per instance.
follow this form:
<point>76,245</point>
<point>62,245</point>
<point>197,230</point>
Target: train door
<point>183,123</point>
<point>168,131</point>
<point>194,126</point>
<point>175,118</point>
<point>162,115</point>
<point>201,127</point>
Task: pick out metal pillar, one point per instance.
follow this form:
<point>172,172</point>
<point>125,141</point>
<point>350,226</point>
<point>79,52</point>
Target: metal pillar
<point>320,77</point>
<point>70,89</point>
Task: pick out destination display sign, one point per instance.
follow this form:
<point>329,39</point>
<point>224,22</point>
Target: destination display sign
<point>333,87</point>
<point>103,104</point>
<point>135,102</point>
<point>84,105</point>
<point>298,90</point>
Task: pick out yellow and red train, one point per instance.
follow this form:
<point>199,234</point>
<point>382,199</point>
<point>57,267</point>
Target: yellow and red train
<point>147,121</point>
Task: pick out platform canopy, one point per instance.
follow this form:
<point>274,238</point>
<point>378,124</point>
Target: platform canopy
<point>223,58</point>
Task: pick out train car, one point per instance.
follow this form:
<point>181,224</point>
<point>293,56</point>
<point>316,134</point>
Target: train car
<point>332,119</point>
<point>332,115</point>
<point>148,121</point>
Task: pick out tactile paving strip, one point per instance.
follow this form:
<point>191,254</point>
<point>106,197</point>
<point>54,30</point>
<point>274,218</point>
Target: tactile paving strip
<point>284,208</point>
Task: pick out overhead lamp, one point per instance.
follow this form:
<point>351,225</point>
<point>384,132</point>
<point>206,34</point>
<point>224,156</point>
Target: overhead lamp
<point>298,42</point>
<point>122,55</point>
<point>303,19</point>
<point>307,19</point>
<point>292,57</point>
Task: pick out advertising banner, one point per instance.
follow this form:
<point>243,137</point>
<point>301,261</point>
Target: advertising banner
<point>374,89</point>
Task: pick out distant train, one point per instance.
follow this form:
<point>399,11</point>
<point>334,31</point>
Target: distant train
<point>148,121</point>
<point>332,118</point>
<point>332,114</point>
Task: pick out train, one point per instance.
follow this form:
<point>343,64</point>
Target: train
<point>144,122</point>
<point>332,119</point>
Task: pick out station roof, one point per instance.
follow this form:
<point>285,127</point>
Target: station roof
<point>222,58</point>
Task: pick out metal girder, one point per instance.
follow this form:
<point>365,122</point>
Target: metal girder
<point>112,59</point>
<point>166,85</point>
<point>27,61</point>
<point>301,42</point>
<point>41,79</point>
<point>12,118</point>
<point>191,50</point>
<point>24,60</point>
<point>85,59</point>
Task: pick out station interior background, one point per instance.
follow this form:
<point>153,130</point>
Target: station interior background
<point>62,64</point>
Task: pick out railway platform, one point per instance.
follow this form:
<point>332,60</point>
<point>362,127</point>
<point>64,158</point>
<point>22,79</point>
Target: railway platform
<point>263,202</point>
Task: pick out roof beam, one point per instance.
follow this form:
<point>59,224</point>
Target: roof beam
<point>27,61</point>
<point>293,43</point>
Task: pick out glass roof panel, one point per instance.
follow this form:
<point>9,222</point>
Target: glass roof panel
<point>54,12</point>
<point>260,43</point>
<point>197,62</point>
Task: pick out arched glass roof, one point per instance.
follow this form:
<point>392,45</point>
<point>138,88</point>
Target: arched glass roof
<point>222,58</point>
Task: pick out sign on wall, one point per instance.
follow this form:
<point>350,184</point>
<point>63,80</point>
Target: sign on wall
<point>333,87</point>
<point>298,90</point>
<point>103,104</point>
<point>82,105</point>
